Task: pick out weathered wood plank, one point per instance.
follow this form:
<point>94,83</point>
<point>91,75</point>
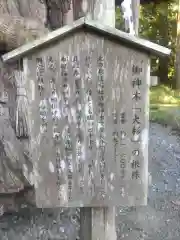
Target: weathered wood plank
<point>97,223</point>
<point>103,11</point>
<point>86,223</point>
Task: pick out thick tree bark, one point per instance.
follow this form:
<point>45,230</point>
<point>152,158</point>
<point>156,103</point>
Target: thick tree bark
<point>20,21</point>
<point>59,13</point>
<point>177,65</point>
<point>164,62</point>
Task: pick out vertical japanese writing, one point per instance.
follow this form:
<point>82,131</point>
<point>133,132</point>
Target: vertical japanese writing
<point>60,174</point>
<point>43,111</point>
<point>101,120</point>
<point>123,156</point>
<point>40,68</point>
<point>68,156</point>
<point>89,118</point>
<point>51,64</point>
<point>135,164</point>
<point>54,102</point>
<point>136,121</point>
<point>123,133</point>
<point>65,85</point>
<point>123,163</point>
<point>55,113</point>
<point>43,106</point>
<point>115,134</point>
<point>89,110</point>
<point>79,134</point>
<point>66,134</point>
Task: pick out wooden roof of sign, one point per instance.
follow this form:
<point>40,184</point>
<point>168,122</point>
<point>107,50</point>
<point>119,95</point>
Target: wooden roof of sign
<point>143,2</point>
<point>131,41</point>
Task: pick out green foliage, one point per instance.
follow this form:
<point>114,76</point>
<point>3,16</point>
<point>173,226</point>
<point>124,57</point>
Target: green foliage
<point>119,19</point>
<point>158,23</point>
<point>163,95</point>
<point>165,115</point>
<point>165,105</point>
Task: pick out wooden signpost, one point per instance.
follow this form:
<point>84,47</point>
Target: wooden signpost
<point>87,90</point>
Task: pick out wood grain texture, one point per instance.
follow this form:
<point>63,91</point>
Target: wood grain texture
<point>97,223</point>
<point>86,223</point>
<point>59,118</point>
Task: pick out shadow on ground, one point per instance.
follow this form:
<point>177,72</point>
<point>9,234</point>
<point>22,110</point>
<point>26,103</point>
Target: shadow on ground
<point>159,220</point>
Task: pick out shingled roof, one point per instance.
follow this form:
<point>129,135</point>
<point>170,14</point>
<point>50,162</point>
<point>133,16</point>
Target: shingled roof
<point>118,2</point>
<point>132,41</point>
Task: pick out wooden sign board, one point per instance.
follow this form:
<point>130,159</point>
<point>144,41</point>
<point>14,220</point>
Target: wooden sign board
<point>88,113</point>
<point>87,90</point>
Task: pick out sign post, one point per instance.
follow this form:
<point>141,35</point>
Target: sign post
<point>87,88</point>
<point>98,223</point>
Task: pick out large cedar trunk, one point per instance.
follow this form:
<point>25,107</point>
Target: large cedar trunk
<point>177,65</point>
<point>164,62</point>
<point>20,21</point>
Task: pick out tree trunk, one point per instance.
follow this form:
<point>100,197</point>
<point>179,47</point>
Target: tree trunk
<point>97,223</point>
<point>130,9</point>
<point>163,71</point>
<point>135,14</point>
<point>102,10</point>
<point>177,64</point>
<point>163,32</point>
<point>20,22</point>
<point>59,13</point>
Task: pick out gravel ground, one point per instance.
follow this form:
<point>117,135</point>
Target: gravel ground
<point>160,220</point>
